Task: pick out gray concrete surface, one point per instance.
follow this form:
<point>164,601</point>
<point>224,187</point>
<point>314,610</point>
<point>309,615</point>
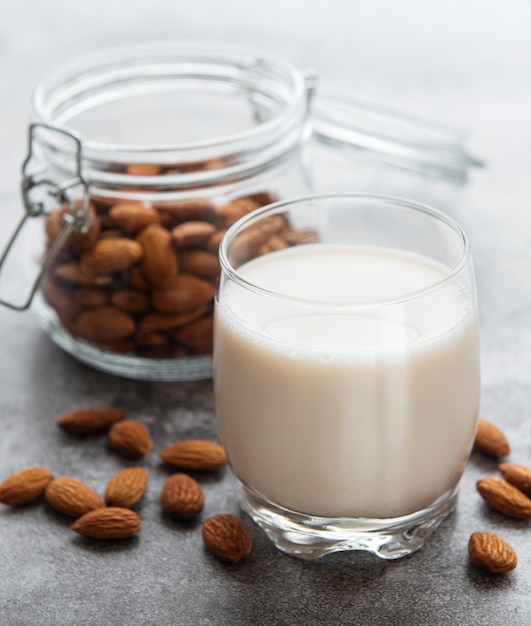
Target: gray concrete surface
<point>467,64</point>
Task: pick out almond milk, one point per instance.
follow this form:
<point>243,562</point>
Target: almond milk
<point>340,411</point>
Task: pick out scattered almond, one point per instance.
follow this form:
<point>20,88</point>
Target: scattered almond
<point>182,497</point>
<point>490,439</point>
<point>126,488</point>
<point>108,523</point>
<point>130,439</point>
<point>71,497</point>
<point>89,421</point>
<point>195,454</point>
<point>517,475</point>
<point>505,498</point>
<point>227,537</point>
<point>490,551</point>
<point>25,486</point>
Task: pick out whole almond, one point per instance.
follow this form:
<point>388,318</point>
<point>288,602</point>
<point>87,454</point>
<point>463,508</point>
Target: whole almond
<point>75,274</point>
<point>191,234</point>
<point>195,209</point>
<point>108,523</point>
<point>490,551</point>
<point>25,486</point>
<point>505,498</point>
<point>130,439</point>
<point>197,335</point>
<point>195,454</point>
<point>111,255</point>
<point>103,325</point>
<point>132,217</point>
<point>71,497</point>
<point>517,475</point>
<point>130,300</point>
<point>89,421</point>
<point>60,298</point>
<point>160,264</point>
<point>185,293</point>
<point>166,321</point>
<point>200,263</point>
<point>182,497</point>
<point>91,297</point>
<point>76,241</point>
<point>490,439</point>
<point>126,488</point>
<point>227,537</point>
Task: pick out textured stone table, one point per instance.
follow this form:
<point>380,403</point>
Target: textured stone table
<point>467,64</point>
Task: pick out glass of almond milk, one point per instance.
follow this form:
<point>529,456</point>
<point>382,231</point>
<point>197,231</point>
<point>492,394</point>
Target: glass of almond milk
<point>346,370</point>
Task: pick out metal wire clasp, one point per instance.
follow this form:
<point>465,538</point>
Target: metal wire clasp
<point>75,220</point>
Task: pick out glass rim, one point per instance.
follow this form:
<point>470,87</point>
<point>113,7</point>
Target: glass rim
<point>278,207</point>
<point>174,51</point>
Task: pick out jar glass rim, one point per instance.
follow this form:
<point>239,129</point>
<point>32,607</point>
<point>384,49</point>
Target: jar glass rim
<point>374,199</point>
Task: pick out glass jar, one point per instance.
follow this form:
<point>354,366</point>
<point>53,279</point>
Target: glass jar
<point>154,151</point>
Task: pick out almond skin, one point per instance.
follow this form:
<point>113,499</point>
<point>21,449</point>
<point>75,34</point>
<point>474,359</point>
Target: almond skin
<point>71,497</point>
<point>132,217</point>
<point>227,537</point>
<point>104,325</point>
<point>108,523</point>
<point>505,498</point>
<point>130,439</point>
<point>490,551</point>
<point>182,497</point>
<point>25,486</point>
<point>160,264</point>
<point>89,421</point>
<point>195,454</point>
<point>126,488</point>
<point>185,293</point>
<point>490,440</point>
<point>517,475</point>
<point>111,255</point>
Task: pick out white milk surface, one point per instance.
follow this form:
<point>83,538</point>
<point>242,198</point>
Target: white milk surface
<point>335,411</point>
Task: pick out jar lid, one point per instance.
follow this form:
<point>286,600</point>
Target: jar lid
<point>372,132</point>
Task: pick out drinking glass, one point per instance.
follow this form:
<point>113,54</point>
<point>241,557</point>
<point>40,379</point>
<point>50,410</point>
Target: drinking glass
<point>346,370</point>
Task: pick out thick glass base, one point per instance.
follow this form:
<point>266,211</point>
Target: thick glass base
<point>128,366</point>
<point>310,537</point>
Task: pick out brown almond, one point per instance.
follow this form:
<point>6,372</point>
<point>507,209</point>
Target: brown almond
<point>133,216</point>
<point>192,234</point>
<point>196,209</point>
<point>126,488</point>
<point>300,236</point>
<point>212,245</point>
<point>111,255</point>
<point>74,274</point>
<point>185,293</point>
<point>71,497</point>
<point>229,213</point>
<point>197,335</point>
<point>91,297</point>
<point>143,169</point>
<point>200,263</point>
<point>77,242</point>
<point>151,339</point>
<point>134,278</point>
<point>490,439</point>
<point>108,523</point>
<point>505,498</point>
<point>89,421</point>
<point>130,300</point>
<point>246,245</point>
<point>182,497</point>
<point>60,298</point>
<point>518,475</point>
<point>105,324</point>
<point>195,454</point>
<point>166,321</point>
<point>490,551</point>
<point>227,537</point>
<point>25,486</point>
<point>160,264</point>
<point>130,439</point>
